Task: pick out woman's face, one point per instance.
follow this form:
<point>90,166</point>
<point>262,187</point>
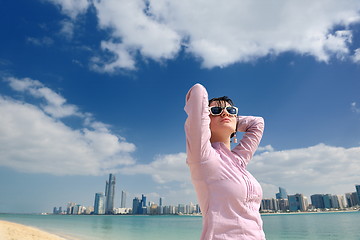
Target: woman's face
<point>224,124</point>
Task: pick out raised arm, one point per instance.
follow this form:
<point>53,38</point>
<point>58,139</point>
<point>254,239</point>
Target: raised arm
<point>197,124</point>
<point>253,128</point>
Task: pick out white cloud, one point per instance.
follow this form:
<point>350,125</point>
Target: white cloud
<point>267,148</point>
<point>356,57</point>
<point>34,139</point>
<point>316,169</point>
<point>45,41</point>
<point>67,29</point>
<point>219,34</point>
<point>355,108</point>
<point>55,104</point>
<point>72,8</point>
<point>164,168</point>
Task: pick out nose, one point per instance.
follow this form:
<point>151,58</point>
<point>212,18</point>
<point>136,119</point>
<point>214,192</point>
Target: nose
<point>225,113</point>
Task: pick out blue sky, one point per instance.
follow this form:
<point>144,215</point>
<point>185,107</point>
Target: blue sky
<point>92,87</point>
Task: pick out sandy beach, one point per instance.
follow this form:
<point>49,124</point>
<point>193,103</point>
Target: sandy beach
<point>14,231</point>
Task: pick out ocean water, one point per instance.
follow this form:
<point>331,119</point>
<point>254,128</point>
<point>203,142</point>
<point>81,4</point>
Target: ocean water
<point>317,226</point>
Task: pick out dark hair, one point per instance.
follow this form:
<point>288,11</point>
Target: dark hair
<point>219,102</point>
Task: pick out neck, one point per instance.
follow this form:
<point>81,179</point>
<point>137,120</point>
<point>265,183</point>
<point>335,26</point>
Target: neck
<point>218,139</point>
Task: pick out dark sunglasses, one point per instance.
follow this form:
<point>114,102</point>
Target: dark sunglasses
<point>218,110</point>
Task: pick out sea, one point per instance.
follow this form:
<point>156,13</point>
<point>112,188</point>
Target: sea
<point>317,226</point>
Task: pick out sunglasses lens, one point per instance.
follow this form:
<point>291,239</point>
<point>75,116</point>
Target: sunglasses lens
<point>216,110</point>
<point>231,110</point>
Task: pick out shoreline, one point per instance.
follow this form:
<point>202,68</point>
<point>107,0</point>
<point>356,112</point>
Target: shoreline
<point>308,212</point>
<point>16,231</point>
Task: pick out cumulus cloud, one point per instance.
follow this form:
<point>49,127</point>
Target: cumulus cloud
<point>164,168</point>
<point>218,33</point>
<point>316,169</point>
<point>356,57</point>
<point>55,104</point>
<point>72,8</point>
<point>33,137</point>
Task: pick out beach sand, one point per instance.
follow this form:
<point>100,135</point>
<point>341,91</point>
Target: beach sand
<point>14,231</point>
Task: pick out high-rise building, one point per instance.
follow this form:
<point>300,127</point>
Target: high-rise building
<point>282,194</point>
<point>358,192</point>
<point>341,200</point>
<point>283,204</point>
<point>161,209</point>
<point>355,199</point>
<point>110,194</point>
<point>334,201</point>
<point>317,201</point>
<point>297,202</point>
<point>99,204</point>
<point>136,205</point>
<point>327,201</point>
<point>143,205</point>
<point>123,199</point>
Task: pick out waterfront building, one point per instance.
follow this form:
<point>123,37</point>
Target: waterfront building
<point>70,208</point>
<point>99,204</point>
<point>154,210</point>
<point>122,211</point>
<point>139,206</point>
<point>355,199</point>
<point>283,204</point>
<point>341,200</point>
<point>334,201</point>
<point>327,201</point>
<point>110,194</point>
<point>317,201</point>
<point>181,209</point>
<point>268,205</point>
<point>357,187</point>
<point>123,199</point>
<point>297,202</point>
<point>351,199</point>
<point>282,194</point>
<point>161,209</point>
<point>136,205</point>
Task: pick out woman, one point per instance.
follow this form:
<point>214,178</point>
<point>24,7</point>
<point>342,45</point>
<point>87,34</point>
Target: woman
<point>229,196</point>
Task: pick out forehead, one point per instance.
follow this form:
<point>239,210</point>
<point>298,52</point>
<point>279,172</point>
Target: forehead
<point>219,104</point>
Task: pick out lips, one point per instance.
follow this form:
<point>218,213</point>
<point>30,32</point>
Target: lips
<point>225,120</point>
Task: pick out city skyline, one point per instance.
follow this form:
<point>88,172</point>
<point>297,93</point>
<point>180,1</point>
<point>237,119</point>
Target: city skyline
<point>103,204</point>
<point>89,88</point>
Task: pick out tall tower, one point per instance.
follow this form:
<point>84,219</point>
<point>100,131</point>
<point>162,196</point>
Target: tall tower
<point>99,204</point>
<point>110,194</point>
<point>123,199</point>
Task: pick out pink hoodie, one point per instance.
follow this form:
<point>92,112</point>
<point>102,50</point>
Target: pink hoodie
<point>229,196</point>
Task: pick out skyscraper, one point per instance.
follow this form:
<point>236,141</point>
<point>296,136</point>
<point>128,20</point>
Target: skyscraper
<point>358,192</point>
<point>123,199</point>
<point>136,206</point>
<point>317,200</point>
<point>110,194</point>
<point>282,194</point>
<point>99,204</point>
<point>297,202</point>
